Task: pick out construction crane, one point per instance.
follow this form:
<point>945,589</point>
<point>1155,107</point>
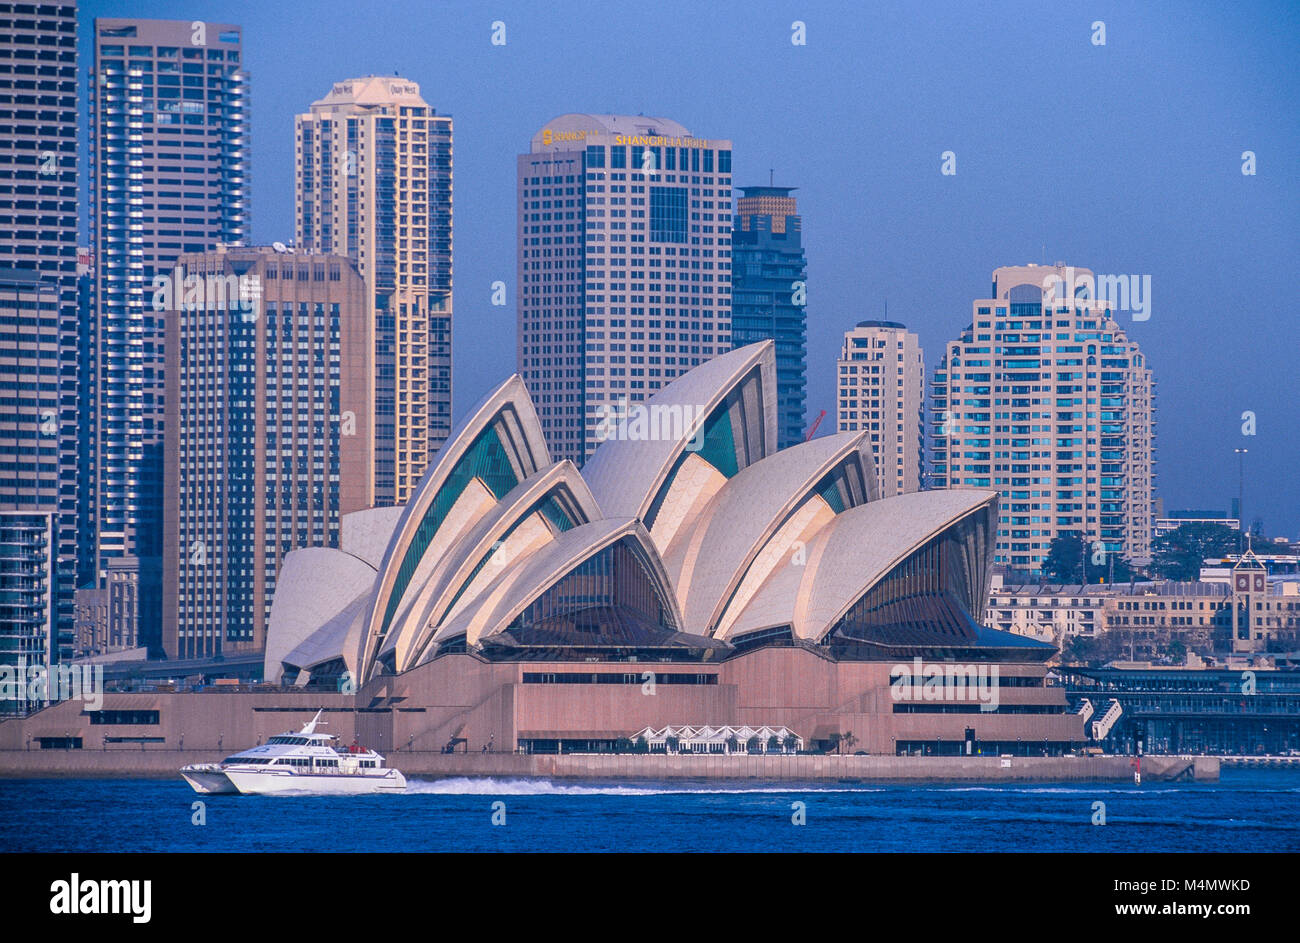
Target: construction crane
<point>812,430</point>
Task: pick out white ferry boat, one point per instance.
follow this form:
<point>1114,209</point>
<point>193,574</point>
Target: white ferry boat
<point>305,761</point>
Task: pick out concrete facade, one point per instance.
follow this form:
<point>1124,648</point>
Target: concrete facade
<point>464,702</point>
<point>1049,401</point>
<point>373,182</point>
<point>264,347</point>
<point>624,262</point>
<point>169,153</point>
<point>38,298</point>
<point>880,389</point>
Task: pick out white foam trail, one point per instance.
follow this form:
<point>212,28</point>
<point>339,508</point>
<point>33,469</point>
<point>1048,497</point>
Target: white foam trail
<point>1101,787</point>
<point>487,786</point>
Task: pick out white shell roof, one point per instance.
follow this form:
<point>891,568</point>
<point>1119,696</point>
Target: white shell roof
<point>743,515</point>
<point>524,580</point>
<point>532,445</point>
<point>337,638</point>
<point>849,555</point>
<point>365,534</point>
<point>455,566</point>
<point>624,474</point>
<point>314,585</point>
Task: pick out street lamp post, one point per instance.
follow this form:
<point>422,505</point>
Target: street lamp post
<point>1241,488</point>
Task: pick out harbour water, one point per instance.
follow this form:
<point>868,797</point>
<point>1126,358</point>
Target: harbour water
<point>1247,810</point>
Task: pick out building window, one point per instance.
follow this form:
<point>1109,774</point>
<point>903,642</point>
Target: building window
<point>668,214</point>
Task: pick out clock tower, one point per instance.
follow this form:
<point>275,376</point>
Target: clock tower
<point>1249,587</point>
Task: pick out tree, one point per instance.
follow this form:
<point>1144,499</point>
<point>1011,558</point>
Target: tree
<point>848,741</point>
<point>774,744</point>
<point>672,743</point>
<point>752,744</point>
<point>732,743</point>
<point>792,743</point>
<point>622,745</point>
<point>1065,559</point>
<point>1176,650</point>
<point>835,742</point>
<point>1070,559</point>
<point>1179,554</point>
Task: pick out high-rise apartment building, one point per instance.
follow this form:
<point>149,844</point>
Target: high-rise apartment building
<point>168,175</point>
<point>624,264</point>
<point>37,548</point>
<point>1045,398</point>
<point>769,295</point>
<point>38,331</point>
<point>880,387</point>
<point>267,433</point>
<point>373,183</point>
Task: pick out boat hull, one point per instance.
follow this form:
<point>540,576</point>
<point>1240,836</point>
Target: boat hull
<point>261,782</point>
<point>208,780</point>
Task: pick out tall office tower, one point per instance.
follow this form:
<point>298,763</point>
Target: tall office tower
<point>374,184</point>
<point>1045,398</point>
<point>880,386</point>
<point>267,435</point>
<point>624,264</point>
<point>168,174</point>
<point>38,325</point>
<point>768,292</point>
<point>89,396</point>
<point>36,547</point>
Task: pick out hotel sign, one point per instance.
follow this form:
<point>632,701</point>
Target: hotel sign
<point>659,141</point>
<point>550,137</point>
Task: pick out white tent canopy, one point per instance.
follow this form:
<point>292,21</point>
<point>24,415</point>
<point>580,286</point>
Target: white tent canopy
<point>706,739</point>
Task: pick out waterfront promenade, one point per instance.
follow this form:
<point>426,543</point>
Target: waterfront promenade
<point>156,763</point>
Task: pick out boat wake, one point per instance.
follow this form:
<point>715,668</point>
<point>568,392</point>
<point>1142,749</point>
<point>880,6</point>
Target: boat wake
<point>470,786</point>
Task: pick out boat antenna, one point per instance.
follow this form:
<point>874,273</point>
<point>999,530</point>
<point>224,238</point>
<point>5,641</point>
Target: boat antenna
<point>311,726</point>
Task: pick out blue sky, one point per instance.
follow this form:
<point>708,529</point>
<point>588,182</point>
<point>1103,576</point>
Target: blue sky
<point>1125,158</point>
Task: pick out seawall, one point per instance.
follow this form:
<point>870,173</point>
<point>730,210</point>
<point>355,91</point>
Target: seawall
<point>161,764</point>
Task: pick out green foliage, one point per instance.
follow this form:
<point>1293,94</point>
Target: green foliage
<point>1070,560</point>
<point>1178,555</point>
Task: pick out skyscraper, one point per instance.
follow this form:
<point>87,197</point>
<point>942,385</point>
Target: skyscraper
<point>768,294</point>
<point>36,566</point>
<point>1045,398</point>
<point>624,263</point>
<point>168,174</point>
<point>373,183</point>
<point>38,332</point>
<point>263,349</point>
<point>880,386</point>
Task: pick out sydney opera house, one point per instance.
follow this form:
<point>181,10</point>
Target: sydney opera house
<point>690,575</point>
